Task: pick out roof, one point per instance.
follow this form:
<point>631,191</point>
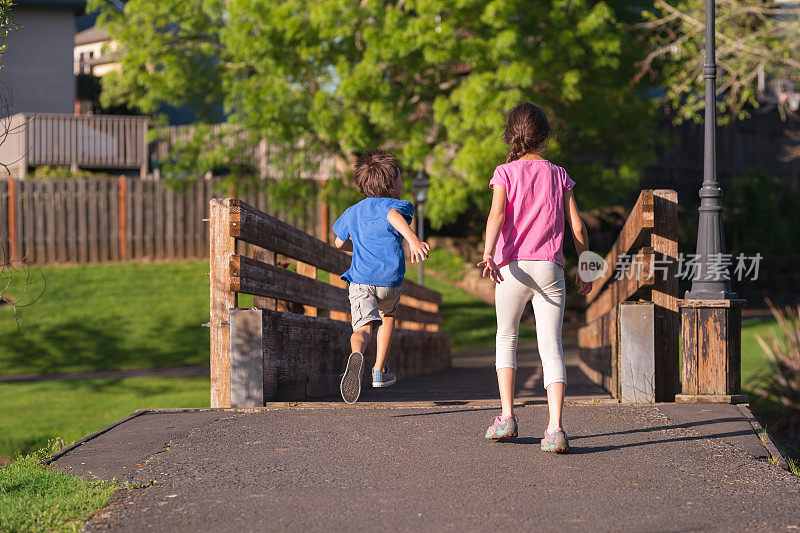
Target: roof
<point>92,35</point>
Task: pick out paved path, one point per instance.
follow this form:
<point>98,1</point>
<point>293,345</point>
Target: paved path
<point>423,465</point>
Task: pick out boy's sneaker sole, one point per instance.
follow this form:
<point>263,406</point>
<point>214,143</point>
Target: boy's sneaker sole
<point>350,387</point>
<point>384,383</point>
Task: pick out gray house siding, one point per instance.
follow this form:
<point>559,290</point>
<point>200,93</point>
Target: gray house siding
<point>38,62</point>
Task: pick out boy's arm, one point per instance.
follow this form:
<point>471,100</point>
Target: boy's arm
<point>419,250</point>
<point>347,245</point>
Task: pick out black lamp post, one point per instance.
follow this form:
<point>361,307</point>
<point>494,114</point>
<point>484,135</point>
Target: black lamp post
<point>421,185</point>
<point>707,284</point>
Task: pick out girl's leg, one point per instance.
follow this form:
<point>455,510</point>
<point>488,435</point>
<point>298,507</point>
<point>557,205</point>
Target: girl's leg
<point>555,404</point>
<point>510,298</point>
<point>548,310</point>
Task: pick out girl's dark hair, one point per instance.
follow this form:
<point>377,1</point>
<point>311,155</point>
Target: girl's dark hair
<point>526,130</point>
<point>376,172</point>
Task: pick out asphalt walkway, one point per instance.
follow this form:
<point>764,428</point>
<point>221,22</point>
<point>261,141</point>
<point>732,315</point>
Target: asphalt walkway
<point>419,462</point>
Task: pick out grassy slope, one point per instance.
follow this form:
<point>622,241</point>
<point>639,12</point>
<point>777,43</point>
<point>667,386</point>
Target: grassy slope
<point>35,498</point>
<point>111,316</point>
<point>34,413</point>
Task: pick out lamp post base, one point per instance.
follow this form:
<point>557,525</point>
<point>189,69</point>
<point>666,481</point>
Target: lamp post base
<point>711,398</point>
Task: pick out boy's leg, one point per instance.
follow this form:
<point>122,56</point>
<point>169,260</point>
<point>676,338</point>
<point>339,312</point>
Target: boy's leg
<point>361,337</point>
<point>385,332</point>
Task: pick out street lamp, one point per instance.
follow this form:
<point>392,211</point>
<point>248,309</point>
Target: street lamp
<point>420,185</point>
<point>706,284</point>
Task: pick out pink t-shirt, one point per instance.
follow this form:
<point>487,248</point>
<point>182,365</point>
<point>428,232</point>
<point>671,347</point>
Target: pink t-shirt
<point>534,224</point>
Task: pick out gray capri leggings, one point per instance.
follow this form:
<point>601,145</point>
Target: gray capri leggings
<point>541,283</point>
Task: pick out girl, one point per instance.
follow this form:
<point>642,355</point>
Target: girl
<point>524,233</point>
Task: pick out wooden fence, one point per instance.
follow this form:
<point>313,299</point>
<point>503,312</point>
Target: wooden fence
<point>295,341</point>
<point>98,141</point>
<point>115,219</point>
<point>648,243</point>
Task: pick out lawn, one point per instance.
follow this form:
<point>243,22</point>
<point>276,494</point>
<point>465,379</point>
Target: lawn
<point>34,413</point>
<point>753,358</point>
<point>110,316</point>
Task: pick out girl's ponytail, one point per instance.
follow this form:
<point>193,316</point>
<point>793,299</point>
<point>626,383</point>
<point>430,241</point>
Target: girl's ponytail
<point>526,130</point>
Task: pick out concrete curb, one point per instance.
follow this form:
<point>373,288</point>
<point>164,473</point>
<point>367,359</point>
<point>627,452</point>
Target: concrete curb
<point>87,438</point>
<point>763,436</point>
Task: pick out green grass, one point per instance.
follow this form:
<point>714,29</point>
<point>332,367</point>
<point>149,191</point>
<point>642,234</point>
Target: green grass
<point>34,413</point>
<point>37,498</point>
<point>753,358</point>
<point>110,316</point>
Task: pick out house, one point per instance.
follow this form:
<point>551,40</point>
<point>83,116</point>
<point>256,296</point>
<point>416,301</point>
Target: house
<point>94,52</point>
<point>38,61</point>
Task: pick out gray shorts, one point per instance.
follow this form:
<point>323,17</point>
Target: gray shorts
<point>368,302</point>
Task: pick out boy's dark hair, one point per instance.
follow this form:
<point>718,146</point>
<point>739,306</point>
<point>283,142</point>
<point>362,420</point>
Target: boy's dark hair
<point>526,130</point>
<point>376,172</point>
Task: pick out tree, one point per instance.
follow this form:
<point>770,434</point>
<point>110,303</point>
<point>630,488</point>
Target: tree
<point>755,39</point>
<point>428,79</point>
<point>7,24</point>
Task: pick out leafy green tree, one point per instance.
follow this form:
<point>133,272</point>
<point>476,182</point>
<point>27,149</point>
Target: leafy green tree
<point>427,79</point>
<point>7,24</point>
<point>754,38</point>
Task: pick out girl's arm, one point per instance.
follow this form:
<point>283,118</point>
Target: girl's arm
<point>497,215</point>
<point>580,236</point>
<point>419,250</point>
<point>347,245</point>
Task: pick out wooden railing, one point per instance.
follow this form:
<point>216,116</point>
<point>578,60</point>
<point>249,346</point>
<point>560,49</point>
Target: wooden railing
<point>648,244</point>
<point>93,142</point>
<point>295,340</point>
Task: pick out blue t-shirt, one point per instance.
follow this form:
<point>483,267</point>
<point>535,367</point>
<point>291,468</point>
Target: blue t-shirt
<point>378,257</point>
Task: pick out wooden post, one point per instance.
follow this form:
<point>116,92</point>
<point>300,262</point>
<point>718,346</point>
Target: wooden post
<point>23,162</point>
<point>324,221</point>
<point>221,247</point>
<point>145,152</point>
<point>12,219</point>
<point>309,271</point>
<point>664,241</point>
<point>247,358</point>
<point>123,218</point>
<point>712,332</point>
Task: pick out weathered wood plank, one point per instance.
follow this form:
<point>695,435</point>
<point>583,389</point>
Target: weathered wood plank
<point>634,233</point>
<point>5,252</point>
<point>664,294</point>
<point>247,358</point>
<point>222,300</point>
<point>260,229</point>
<point>92,220</point>
<point>690,353</point>
<point>309,271</point>
<point>83,223</point>
<point>39,203</point>
<point>304,356</point>
<point>71,226</point>
<point>51,226</point>
<point>623,289</point>
<point>255,277</point>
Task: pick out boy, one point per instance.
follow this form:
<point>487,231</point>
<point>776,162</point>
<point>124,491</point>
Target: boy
<point>373,229</point>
